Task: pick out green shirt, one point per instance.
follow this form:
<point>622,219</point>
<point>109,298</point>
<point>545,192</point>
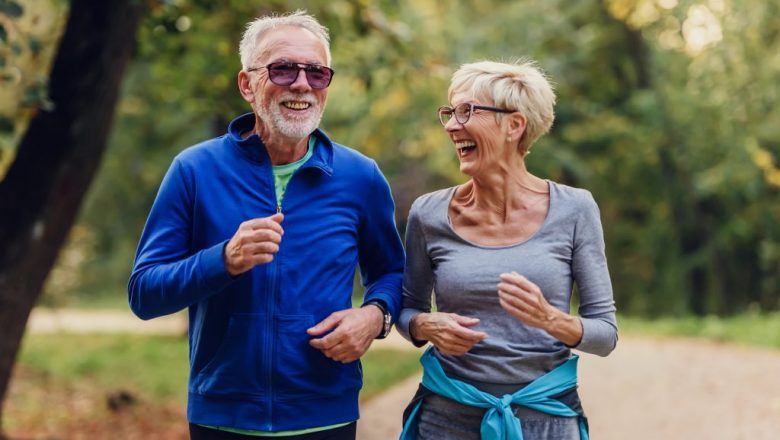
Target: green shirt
<point>283,173</point>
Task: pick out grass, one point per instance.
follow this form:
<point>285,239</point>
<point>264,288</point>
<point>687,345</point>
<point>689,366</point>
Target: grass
<point>382,368</point>
<point>82,374</point>
<point>756,329</point>
<point>153,366</point>
<point>157,367</point>
<point>78,375</point>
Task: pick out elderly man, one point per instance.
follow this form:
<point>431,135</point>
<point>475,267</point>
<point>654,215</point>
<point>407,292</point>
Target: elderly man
<point>258,232</point>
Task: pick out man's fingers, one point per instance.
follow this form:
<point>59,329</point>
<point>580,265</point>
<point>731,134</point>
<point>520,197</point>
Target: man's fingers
<point>263,235</point>
<point>325,325</point>
<point>273,223</point>
<point>323,344</point>
<point>266,247</point>
<point>278,217</point>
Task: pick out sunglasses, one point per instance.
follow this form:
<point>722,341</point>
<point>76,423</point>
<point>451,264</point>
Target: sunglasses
<point>284,73</point>
<point>462,112</point>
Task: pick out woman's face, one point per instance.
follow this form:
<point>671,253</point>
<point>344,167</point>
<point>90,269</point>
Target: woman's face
<point>480,143</point>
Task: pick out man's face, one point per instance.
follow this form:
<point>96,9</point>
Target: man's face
<point>292,111</point>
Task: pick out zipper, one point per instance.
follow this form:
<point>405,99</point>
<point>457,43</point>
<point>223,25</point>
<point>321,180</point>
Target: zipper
<point>270,343</point>
<point>270,348</point>
<point>271,303</point>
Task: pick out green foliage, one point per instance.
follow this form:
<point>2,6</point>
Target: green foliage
<point>28,37</point>
<point>151,366</point>
<point>11,8</point>
<point>156,367</point>
<point>667,112</point>
<point>383,368</point>
<point>755,329</point>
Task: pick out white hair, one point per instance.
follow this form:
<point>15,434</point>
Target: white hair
<point>257,28</point>
<point>520,86</point>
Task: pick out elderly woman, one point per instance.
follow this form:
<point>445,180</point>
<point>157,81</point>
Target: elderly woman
<point>502,253</point>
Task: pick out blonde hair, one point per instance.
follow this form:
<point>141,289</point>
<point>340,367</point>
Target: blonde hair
<point>520,86</point>
<point>258,27</point>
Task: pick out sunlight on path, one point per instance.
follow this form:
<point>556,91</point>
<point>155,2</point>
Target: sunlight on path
<point>647,389</point>
<point>103,321</point>
<point>682,389</point>
<point>651,389</point>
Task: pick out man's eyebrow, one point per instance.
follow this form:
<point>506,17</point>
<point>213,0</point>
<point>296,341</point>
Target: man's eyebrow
<point>287,60</point>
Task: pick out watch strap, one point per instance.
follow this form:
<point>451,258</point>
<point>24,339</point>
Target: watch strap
<point>387,320</point>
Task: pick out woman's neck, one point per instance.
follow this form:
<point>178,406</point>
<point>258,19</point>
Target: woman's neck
<point>500,193</point>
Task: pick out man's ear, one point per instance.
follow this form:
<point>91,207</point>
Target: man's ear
<point>244,86</point>
<point>517,123</point>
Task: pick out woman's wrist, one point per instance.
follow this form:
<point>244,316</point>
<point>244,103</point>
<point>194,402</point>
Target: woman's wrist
<point>415,326</point>
<point>566,328</point>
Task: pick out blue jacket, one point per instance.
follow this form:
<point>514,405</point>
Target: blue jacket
<point>251,365</point>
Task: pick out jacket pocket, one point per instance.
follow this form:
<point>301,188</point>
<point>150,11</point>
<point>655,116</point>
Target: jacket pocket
<point>237,365</point>
<point>304,371</point>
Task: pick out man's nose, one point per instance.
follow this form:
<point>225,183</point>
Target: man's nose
<point>301,84</point>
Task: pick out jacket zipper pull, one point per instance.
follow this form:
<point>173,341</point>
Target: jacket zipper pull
<point>279,209</point>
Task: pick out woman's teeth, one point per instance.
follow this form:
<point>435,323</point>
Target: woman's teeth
<point>464,146</point>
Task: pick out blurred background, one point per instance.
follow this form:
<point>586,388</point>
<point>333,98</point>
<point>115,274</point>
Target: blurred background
<point>667,112</point>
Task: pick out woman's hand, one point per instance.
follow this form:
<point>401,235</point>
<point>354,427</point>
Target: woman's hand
<point>524,300</point>
<point>448,332</point>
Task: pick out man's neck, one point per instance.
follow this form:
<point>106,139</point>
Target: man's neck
<point>286,151</point>
<point>281,150</point>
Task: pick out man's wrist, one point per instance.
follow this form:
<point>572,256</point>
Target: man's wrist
<point>386,324</point>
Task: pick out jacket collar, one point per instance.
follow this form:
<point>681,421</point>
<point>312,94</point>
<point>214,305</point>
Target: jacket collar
<point>254,149</point>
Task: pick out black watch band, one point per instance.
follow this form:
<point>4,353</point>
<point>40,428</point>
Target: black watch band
<point>387,320</point>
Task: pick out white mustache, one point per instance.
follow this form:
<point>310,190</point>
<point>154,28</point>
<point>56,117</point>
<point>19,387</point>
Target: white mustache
<point>303,97</point>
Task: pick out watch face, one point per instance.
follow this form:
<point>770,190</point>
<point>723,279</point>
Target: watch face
<point>387,325</point>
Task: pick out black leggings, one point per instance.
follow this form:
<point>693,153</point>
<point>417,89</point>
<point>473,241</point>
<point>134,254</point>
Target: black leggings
<point>348,432</point>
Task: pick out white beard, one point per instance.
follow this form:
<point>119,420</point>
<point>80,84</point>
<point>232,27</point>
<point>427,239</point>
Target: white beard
<point>291,127</point>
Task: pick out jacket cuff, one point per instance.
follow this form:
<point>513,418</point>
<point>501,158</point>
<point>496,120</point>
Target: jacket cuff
<point>214,275</point>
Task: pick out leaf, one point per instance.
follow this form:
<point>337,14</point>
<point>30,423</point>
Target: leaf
<point>35,45</point>
<point>6,125</point>
<point>11,8</point>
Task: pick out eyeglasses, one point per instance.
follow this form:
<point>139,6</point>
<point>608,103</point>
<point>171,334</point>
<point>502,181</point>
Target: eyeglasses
<point>285,73</point>
<point>462,112</point>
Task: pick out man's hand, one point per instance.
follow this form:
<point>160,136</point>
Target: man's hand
<point>353,330</point>
<point>255,242</point>
<point>449,332</point>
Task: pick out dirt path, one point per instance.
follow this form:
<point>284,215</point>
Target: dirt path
<point>43,320</point>
<point>652,389</point>
<point>647,389</point>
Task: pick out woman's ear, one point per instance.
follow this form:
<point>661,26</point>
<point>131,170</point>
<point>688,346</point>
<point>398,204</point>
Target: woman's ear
<point>244,86</point>
<point>517,123</point>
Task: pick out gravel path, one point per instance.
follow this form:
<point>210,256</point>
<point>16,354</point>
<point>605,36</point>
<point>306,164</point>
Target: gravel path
<point>651,389</point>
<point>646,389</point>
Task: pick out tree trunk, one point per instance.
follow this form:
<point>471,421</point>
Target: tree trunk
<point>58,157</point>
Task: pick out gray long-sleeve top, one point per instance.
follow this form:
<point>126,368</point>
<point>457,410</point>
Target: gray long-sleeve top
<point>568,248</point>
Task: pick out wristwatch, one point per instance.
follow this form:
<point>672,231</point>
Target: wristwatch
<point>387,320</point>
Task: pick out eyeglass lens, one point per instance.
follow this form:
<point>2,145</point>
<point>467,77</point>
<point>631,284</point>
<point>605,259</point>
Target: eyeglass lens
<point>284,74</point>
<point>461,112</point>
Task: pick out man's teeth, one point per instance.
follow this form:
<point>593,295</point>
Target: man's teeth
<point>295,105</point>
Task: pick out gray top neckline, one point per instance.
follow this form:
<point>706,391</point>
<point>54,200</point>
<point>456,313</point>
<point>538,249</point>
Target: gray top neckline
<point>451,193</point>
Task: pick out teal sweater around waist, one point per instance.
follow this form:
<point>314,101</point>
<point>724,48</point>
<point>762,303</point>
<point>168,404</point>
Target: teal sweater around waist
<point>499,422</point>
